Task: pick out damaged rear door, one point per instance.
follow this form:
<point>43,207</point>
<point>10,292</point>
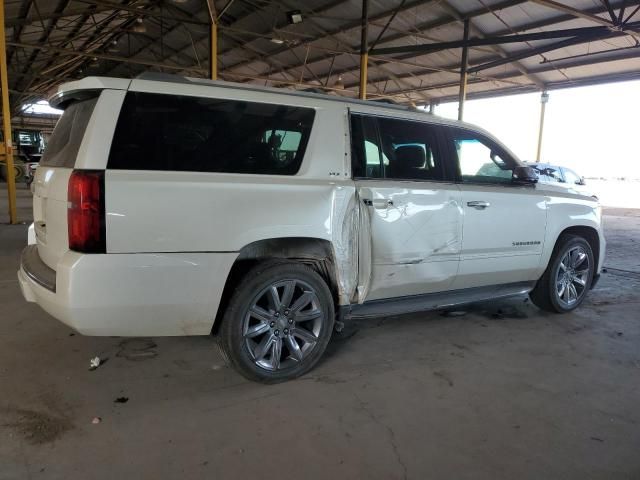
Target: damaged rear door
<point>411,206</point>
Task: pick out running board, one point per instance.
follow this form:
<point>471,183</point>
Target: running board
<point>433,301</point>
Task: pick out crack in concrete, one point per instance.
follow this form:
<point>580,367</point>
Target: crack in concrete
<point>391,434</point>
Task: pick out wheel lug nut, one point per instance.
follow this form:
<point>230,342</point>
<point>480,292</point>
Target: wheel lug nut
<point>286,312</point>
<point>276,333</point>
<point>272,324</point>
<point>290,321</point>
<point>277,314</point>
<point>286,331</point>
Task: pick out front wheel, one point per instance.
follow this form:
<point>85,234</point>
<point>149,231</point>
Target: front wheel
<point>278,322</point>
<point>567,279</point>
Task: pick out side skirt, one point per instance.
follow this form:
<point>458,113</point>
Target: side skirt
<point>432,301</point>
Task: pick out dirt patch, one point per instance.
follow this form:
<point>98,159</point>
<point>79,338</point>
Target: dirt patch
<point>36,427</point>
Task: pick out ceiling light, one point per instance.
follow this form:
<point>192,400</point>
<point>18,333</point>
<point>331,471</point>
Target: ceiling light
<point>113,48</point>
<point>294,16</point>
<point>339,84</point>
<point>139,26</point>
<point>277,41</point>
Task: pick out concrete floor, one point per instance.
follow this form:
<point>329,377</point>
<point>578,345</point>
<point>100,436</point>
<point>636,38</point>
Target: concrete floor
<point>504,391</point>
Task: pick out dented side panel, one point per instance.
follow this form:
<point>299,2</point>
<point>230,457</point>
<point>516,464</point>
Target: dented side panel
<point>416,236</point>
<point>344,235</point>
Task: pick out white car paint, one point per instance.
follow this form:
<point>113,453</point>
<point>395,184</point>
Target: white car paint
<point>173,237</point>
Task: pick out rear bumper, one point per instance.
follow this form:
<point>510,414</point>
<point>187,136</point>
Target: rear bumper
<point>130,294</point>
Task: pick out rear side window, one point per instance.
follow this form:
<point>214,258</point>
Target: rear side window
<point>167,132</point>
<point>66,138</point>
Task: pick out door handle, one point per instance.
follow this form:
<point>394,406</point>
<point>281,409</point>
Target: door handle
<point>378,202</point>
<point>478,204</point>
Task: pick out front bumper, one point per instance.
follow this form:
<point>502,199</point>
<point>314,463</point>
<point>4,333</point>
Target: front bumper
<point>129,294</point>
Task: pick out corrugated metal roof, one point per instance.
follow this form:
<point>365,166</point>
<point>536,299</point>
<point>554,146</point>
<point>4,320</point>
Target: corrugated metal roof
<point>58,40</point>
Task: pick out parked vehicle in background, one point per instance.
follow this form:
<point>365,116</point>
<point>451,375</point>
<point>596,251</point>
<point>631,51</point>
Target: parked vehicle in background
<point>557,175</point>
<point>175,206</point>
<point>30,172</point>
<point>28,147</point>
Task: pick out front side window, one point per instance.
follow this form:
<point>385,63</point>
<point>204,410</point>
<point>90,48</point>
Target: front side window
<point>480,160</point>
<point>395,149</point>
<point>411,148</point>
<point>180,133</point>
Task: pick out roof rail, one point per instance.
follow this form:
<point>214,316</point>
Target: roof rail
<point>311,92</point>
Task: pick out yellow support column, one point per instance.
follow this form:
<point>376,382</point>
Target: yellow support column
<point>364,50</point>
<point>213,52</point>
<point>213,38</point>
<point>6,121</point>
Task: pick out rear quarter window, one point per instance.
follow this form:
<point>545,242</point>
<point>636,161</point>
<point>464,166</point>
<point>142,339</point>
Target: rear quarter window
<point>67,135</point>
<point>181,133</point>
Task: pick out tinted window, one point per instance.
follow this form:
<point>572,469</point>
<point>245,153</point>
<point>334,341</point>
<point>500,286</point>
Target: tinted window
<point>366,154</point>
<point>480,160</point>
<point>547,173</point>
<point>411,148</point>
<point>402,150</point>
<point>167,132</point>
<point>571,177</point>
<point>65,140</point>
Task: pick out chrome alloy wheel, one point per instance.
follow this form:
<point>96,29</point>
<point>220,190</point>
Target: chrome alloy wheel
<point>282,325</point>
<point>572,276</point>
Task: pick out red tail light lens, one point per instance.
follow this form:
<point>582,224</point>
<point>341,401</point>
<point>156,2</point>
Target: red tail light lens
<point>85,211</point>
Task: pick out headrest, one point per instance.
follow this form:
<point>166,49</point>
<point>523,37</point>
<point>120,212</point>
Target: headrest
<point>410,156</point>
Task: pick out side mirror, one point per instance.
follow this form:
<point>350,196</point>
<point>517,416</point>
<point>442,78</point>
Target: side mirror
<point>581,182</point>
<point>523,175</point>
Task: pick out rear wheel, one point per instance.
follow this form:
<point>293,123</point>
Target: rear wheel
<point>278,322</point>
<point>565,283</point>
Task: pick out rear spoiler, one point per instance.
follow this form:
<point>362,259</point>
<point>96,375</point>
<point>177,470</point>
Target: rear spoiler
<point>86,88</point>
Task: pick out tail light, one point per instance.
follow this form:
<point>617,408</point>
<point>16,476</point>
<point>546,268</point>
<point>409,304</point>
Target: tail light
<point>85,211</point>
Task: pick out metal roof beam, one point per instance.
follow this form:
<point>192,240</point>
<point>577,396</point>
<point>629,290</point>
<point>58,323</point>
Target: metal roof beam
<point>420,27</point>
<point>143,13</point>
<point>497,40</point>
<point>594,18</point>
<point>548,48</point>
<point>521,28</point>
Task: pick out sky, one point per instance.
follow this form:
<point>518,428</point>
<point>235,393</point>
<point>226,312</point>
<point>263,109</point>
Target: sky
<point>592,130</point>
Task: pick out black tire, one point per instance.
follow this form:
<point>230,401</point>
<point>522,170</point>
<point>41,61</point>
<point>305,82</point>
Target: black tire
<point>546,294</point>
<point>243,340</point>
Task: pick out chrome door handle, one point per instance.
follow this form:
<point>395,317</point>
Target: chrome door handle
<point>378,202</point>
<point>478,204</point>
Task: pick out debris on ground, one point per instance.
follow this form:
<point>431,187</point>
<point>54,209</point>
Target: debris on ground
<point>96,420</point>
<point>121,400</point>
<point>94,363</point>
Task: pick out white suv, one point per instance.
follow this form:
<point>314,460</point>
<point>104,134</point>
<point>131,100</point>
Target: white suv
<point>176,206</point>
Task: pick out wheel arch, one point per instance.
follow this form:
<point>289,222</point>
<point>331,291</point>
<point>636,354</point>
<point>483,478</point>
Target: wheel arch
<point>317,253</point>
<point>590,234</point>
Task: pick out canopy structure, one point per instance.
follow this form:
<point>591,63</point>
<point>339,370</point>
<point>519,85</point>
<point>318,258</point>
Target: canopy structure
<point>415,48</point>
